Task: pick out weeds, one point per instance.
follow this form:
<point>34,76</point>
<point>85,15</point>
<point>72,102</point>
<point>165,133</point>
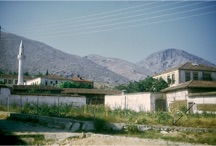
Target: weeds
<point>91,112</point>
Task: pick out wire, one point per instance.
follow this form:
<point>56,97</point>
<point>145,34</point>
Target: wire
<point>137,25</point>
<point>50,28</point>
<point>52,22</point>
<point>124,22</point>
<point>136,20</point>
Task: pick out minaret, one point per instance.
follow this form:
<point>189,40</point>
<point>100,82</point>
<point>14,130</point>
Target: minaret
<point>20,57</point>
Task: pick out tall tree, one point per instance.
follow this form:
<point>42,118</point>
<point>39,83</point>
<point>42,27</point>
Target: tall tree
<point>47,73</point>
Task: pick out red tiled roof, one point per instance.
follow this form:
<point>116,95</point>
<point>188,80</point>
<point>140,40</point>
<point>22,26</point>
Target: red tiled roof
<point>79,79</point>
<point>55,77</point>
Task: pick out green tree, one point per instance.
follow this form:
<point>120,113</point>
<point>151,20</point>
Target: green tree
<point>26,74</point>
<point>47,73</point>
<point>149,84</point>
<point>39,74</point>
<point>75,85</point>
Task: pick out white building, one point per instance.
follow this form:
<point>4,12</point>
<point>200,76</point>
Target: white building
<point>54,80</point>
<point>10,80</point>
<point>145,101</point>
<point>197,93</point>
<point>48,80</point>
<point>187,72</point>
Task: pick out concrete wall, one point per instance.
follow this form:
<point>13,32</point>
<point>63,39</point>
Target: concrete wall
<point>182,95</point>
<point>137,102</point>
<point>54,99</point>
<point>176,96</point>
<point>35,81</point>
<point>4,92</point>
<point>202,100</point>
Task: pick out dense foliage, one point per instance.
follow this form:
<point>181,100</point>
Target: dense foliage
<point>147,85</point>
<point>75,85</point>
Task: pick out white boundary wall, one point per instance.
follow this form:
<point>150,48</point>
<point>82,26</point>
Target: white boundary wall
<point>183,95</point>
<point>137,102</point>
<point>202,100</point>
<point>50,100</point>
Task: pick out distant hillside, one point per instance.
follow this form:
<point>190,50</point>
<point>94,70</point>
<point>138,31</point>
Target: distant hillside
<point>41,57</point>
<point>122,67</point>
<point>166,59</point>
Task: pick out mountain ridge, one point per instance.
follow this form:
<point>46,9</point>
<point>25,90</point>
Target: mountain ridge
<point>41,57</point>
<point>168,58</point>
<point>120,66</point>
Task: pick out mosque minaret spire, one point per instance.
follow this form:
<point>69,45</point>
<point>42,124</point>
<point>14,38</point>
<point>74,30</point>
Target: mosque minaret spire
<point>21,58</point>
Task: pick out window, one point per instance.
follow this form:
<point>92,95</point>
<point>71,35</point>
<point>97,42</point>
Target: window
<point>173,78</point>
<point>195,75</point>
<point>187,76</point>
<point>46,83</point>
<point>207,76</point>
<point>56,82</point>
<point>16,81</point>
<point>169,81</point>
<point>5,81</point>
<point>51,82</point>
<point>9,81</point>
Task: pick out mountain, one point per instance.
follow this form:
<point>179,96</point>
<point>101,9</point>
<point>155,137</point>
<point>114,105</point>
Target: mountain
<point>41,57</point>
<point>169,58</point>
<point>126,69</point>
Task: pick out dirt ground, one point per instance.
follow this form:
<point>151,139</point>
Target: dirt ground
<point>61,137</point>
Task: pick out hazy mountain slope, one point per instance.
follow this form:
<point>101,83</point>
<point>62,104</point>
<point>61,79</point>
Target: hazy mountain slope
<point>165,59</point>
<point>41,57</point>
<point>122,67</point>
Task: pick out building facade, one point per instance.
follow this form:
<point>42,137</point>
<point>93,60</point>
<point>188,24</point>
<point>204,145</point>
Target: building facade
<point>199,96</point>
<point>10,80</point>
<point>187,72</point>
<point>54,80</point>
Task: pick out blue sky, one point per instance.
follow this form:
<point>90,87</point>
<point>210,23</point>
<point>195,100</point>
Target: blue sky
<point>129,30</point>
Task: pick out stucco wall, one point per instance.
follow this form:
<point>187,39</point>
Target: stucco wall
<point>4,92</point>
<point>201,100</point>
<point>175,96</point>
<point>35,81</point>
<point>23,99</point>
<point>137,102</point>
<point>182,95</point>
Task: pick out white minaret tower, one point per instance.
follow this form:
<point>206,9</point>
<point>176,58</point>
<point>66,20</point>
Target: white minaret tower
<point>20,57</point>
